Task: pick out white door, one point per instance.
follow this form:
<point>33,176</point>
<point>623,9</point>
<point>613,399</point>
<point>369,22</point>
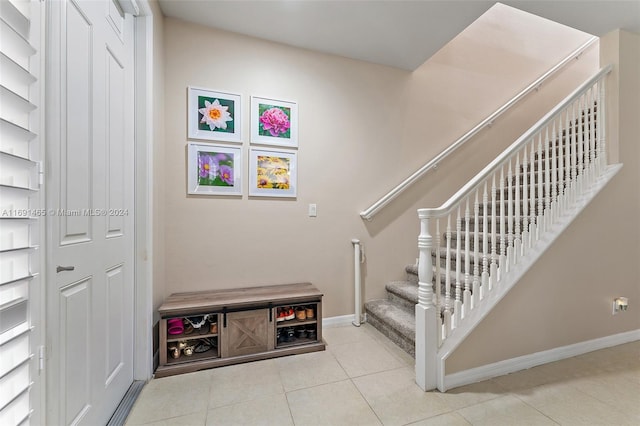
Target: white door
<point>90,232</point>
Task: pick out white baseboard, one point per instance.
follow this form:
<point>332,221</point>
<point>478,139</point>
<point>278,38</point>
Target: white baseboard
<point>341,320</point>
<point>512,365</point>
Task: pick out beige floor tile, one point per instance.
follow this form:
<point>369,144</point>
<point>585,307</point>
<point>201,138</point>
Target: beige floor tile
<point>344,334</point>
<point>397,399</point>
<point>394,349</point>
<point>525,379</point>
<point>170,397</point>
<point>472,394</point>
<point>506,410</point>
<point>334,404</point>
<point>569,406</point>
<point>307,370</point>
<point>270,410</point>
<point>195,419</point>
<point>623,395</point>
<point>364,357</point>
<point>449,419</point>
<point>244,382</point>
<point>563,369</point>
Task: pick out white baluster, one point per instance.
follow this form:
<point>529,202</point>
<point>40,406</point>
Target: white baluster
<point>533,226</point>
<point>561,169</point>
<point>574,156</point>
<point>525,203</point>
<point>438,281</point>
<point>485,242</point>
<point>540,194</point>
<point>509,230</point>
<point>554,173</point>
<point>602,126</point>
<point>592,136</point>
<point>447,282</point>
<point>547,180</point>
<point>457,307</point>
<point>476,253</point>
<point>580,130</point>
<point>466,295</point>
<point>517,242</point>
<point>493,268</point>
<point>502,260</point>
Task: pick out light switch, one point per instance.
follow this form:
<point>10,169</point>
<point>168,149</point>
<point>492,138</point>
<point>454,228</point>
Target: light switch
<point>313,210</point>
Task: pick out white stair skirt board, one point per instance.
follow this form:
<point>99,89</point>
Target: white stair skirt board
<point>524,362</point>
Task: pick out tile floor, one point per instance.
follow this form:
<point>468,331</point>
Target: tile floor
<point>363,379</point>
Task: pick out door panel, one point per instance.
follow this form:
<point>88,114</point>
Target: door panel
<point>77,138</point>
<point>75,305</point>
<point>91,189</point>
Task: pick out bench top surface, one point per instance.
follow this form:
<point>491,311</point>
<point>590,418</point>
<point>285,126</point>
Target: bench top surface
<point>238,298</point>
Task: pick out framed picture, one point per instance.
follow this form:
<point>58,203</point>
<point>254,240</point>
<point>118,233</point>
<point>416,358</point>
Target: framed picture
<point>214,115</point>
<point>274,122</point>
<point>272,173</point>
<point>214,169</point>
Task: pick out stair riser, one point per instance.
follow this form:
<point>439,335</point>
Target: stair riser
<point>401,301</point>
<point>402,341</point>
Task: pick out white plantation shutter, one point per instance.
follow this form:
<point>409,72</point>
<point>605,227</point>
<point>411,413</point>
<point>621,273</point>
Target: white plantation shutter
<point>20,203</point>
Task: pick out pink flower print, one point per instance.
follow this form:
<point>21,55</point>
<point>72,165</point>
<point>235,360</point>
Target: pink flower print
<point>275,121</point>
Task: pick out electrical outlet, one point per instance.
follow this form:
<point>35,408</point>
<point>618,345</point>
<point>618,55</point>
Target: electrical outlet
<point>620,304</point>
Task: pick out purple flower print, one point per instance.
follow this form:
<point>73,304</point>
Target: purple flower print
<point>207,166</point>
<point>226,174</point>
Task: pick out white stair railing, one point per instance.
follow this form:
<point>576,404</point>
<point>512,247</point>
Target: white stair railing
<point>496,220</point>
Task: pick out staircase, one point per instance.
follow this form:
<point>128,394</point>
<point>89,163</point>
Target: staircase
<point>476,246</point>
<point>395,316</point>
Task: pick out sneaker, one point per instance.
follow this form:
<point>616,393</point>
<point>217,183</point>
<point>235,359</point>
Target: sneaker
<point>290,314</point>
<point>282,313</point>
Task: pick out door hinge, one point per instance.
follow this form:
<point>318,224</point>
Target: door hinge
<point>40,173</point>
<point>41,357</point>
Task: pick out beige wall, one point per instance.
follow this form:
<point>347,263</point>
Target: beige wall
<point>158,149</point>
<point>567,296</point>
<point>363,128</point>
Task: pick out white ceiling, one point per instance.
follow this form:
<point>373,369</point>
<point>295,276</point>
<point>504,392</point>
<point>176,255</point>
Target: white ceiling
<point>397,33</point>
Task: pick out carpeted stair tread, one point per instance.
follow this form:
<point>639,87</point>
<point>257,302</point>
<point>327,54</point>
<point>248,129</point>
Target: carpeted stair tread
<point>405,289</point>
<point>395,322</point>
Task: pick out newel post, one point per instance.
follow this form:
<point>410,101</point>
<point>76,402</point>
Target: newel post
<point>426,311</point>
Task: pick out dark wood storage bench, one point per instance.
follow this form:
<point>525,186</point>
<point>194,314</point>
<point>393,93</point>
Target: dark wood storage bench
<point>246,327</point>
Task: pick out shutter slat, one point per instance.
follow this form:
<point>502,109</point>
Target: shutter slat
<point>17,157</point>
<point>25,278</point>
<point>14,107</point>
<point>14,333</point>
<point>15,139</point>
<point>24,361</point>
<point>14,352</point>
<point>14,76</point>
<point>14,45</point>
<point>20,151</point>
<point>15,17</point>
<point>17,411</point>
